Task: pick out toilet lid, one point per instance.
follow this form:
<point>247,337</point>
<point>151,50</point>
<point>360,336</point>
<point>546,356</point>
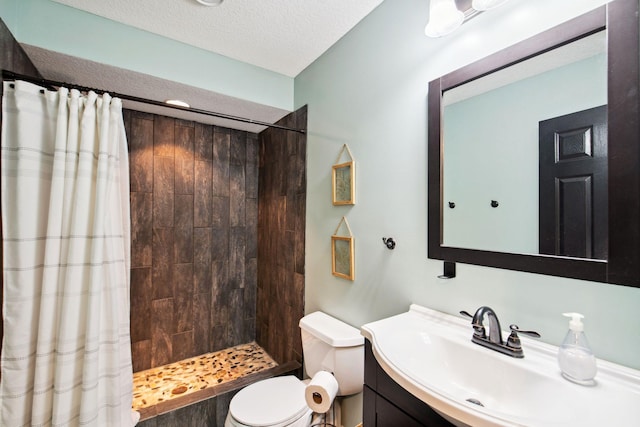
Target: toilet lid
<point>272,402</point>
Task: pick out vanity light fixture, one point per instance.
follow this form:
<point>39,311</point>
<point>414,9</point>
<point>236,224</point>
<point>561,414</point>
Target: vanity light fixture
<point>445,16</point>
<point>177,103</point>
<point>210,2</point>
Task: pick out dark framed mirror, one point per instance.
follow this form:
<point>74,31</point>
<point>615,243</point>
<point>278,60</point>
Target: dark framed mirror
<point>531,205</point>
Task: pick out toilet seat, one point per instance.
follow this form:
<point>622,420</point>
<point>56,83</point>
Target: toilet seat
<point>275,402</point>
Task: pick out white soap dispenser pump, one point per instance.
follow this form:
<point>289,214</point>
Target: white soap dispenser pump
<point>576,360</point>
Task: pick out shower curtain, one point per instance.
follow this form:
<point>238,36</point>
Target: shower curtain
<point>66,358</point>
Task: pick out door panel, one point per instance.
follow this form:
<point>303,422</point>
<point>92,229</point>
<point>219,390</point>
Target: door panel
<point>573,185</point>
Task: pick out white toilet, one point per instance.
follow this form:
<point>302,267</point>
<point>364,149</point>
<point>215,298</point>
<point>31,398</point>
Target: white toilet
<point>328,345</point>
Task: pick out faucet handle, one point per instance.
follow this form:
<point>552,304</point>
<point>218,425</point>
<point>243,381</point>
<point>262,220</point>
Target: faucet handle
<point>478,328</point>
<point>479,331</point>
<point>515,329</point>
<point>466,313</point>
<point>514,340</point>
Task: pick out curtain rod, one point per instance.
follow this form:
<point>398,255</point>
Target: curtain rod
<point>10,75</point>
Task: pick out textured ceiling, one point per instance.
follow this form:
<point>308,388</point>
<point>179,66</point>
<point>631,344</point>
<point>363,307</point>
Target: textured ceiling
<point>284,36</point>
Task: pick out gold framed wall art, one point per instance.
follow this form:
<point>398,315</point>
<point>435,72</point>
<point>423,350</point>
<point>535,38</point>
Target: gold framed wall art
<point>343,180</point>
<point>343,254</point>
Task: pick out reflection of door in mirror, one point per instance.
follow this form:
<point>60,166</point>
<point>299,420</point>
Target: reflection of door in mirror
<point>573,184</point>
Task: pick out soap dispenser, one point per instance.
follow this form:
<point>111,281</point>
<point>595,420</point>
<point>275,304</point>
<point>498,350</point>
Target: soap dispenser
<point>576,360</point>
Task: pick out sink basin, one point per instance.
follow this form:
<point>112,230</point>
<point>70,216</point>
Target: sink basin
<point>431,355</point>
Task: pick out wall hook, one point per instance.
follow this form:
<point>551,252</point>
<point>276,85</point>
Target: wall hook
<point>389,243</point>
<point>494,204</point>
<point>452,205</point>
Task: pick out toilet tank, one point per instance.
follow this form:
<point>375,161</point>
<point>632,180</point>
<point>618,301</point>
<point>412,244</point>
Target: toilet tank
<point>329,344</point>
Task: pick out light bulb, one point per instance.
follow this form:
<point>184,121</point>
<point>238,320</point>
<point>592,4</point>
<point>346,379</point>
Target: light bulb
<point>483,5</point>
<point>444,18</point>
<point>178,102</point>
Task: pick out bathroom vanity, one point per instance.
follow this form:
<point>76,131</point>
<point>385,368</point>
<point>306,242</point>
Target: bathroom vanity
<point>422,369</point>
<point>387,404</point>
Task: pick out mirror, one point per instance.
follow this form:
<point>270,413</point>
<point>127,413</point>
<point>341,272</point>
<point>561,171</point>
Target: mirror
<point>492,151</point>
<point>534,151</point>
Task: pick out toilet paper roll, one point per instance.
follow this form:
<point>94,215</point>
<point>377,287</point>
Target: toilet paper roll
<point>321,391</point>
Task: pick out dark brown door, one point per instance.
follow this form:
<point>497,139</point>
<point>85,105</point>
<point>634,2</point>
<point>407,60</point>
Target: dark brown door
<point>573,184</point>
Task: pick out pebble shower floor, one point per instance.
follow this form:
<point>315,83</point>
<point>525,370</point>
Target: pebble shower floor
<point>167,382</point>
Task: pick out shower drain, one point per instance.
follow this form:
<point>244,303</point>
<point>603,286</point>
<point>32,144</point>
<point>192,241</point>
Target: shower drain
<point>475,401</point>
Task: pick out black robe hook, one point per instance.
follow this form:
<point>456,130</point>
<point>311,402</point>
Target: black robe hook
<point>389,243</point>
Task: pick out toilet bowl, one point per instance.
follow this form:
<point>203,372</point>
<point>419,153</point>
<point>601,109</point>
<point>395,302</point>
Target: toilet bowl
<point>275,402</point>
<point>328,345</point>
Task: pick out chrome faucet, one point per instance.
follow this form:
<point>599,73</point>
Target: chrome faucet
<point>512,347</point>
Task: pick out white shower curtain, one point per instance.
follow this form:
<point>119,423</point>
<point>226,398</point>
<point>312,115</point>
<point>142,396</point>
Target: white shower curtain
<point>66,358</point>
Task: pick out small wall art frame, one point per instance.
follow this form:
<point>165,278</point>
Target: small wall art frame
<point>342,253</point>
<point>343,180</point>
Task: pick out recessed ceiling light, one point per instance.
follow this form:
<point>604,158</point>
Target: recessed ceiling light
<point>177,102</point>
<point>210,2</point>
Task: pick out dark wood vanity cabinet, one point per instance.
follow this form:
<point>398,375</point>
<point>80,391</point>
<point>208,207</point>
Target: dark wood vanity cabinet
<point>387,404</point>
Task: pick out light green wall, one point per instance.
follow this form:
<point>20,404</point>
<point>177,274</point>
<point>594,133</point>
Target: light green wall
<point>60,28</point>
<point>370,91</point>
<point>8,12</point>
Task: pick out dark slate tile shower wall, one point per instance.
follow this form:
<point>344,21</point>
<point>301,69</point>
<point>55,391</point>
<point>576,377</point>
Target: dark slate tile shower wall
<point>194,199</point>
<point>281,238</point>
